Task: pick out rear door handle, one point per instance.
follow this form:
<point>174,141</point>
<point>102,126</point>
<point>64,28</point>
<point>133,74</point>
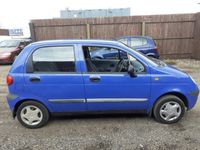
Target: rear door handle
<point>34,79</point>
<point>95,78</point>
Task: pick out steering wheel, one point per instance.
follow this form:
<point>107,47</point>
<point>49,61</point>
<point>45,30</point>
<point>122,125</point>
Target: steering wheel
<point>121,65</point>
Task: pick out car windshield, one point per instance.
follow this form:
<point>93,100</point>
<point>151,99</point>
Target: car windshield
<point>154,61</point>
<point>9,43</point>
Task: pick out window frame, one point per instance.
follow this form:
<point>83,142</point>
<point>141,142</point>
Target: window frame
<point>29,63</point>
<point>120,73</point>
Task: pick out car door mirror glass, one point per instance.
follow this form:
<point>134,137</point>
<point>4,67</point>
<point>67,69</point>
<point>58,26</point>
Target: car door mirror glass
<point>131,71</point>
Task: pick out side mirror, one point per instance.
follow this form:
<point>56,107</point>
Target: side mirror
<point>131,71</point>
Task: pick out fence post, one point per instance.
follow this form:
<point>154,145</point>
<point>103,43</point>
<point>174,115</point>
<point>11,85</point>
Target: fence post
<point>196,47</point>
<point>143,28</point>
<point>88,31</point>
<point>32,31</point>
<point>4,32</point>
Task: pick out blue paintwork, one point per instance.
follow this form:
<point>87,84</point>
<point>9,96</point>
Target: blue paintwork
<point>149,49</point>
<point>112,85</point>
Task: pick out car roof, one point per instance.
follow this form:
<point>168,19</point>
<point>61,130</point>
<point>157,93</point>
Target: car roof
<point>77,41</point>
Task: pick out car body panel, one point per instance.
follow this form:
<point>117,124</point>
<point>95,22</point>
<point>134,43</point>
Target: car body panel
<point>74,92</point>
<point>107,93</point>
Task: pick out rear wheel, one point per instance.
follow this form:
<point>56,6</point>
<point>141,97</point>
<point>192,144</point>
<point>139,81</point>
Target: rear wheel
<point>169,109</point>
<point>32,114</point>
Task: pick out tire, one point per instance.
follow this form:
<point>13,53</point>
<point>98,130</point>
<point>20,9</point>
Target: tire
<point>32,114</point>
<point>169,109</point>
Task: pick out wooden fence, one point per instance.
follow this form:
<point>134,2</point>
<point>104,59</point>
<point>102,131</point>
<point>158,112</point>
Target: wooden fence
<point>4,32</point>
<point>175,35</point>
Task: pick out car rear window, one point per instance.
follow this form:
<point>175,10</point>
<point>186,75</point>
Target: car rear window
<point>54,59</point>
<point>138,42</point>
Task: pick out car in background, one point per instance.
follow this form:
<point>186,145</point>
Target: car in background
<point>144,44</point>
<point>10,49</point>
<point>106,53</point>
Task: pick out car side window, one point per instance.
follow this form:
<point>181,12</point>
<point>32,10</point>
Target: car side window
<point>138,42</point>
<point>105,59</point>
<point>54,59</point>
<point>137,65</point>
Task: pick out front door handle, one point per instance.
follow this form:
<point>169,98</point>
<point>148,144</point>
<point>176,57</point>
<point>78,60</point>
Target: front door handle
<point>95,78</point>
<point>34,79</point>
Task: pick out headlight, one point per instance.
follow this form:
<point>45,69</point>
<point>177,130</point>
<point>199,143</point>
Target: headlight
<point>192,79</point>
<point>5,54</point>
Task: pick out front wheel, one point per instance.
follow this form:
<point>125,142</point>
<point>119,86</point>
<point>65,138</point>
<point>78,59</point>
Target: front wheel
<point>32,114</point>
<point>169,109</point>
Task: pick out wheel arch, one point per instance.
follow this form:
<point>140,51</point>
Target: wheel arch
<point>25,100</point>
<point>178,94</point>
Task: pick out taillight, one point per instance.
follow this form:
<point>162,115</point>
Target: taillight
<point>9,80</point>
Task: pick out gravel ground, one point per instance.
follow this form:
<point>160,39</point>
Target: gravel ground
<point>103,131</point>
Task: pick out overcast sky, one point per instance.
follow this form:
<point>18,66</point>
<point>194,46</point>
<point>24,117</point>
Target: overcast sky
<point>18,13</point>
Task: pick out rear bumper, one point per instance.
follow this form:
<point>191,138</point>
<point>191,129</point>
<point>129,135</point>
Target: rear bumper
<point>11,101</point>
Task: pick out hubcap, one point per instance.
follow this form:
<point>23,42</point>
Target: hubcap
<point>31,115</point>
<point>170,111</point>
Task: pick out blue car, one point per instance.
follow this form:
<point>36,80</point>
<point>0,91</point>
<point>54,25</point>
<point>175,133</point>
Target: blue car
<point>61,77</point>
<point>144,44</point>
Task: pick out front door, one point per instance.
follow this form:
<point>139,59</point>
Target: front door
<point>53,78</point>
<point>108,86</point>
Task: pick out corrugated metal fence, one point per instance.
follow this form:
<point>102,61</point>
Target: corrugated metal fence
<point>175,35</point>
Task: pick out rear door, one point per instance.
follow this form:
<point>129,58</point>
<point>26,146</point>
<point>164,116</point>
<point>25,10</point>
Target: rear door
<point>53,77</point>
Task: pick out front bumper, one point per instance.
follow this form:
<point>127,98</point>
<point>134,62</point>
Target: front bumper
<point>195,93</point>
<point>193,97</point>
